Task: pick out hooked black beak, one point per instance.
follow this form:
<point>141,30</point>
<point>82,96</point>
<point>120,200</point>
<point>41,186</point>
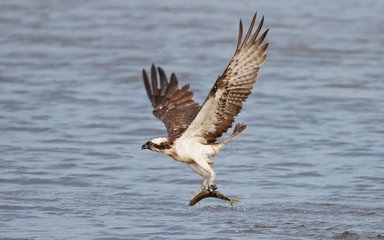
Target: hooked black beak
<point>145,146</point>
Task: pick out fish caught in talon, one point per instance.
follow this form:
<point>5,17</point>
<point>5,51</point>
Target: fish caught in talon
<point>215,194</point>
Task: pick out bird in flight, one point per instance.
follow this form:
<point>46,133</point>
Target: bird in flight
<point>194,130</point>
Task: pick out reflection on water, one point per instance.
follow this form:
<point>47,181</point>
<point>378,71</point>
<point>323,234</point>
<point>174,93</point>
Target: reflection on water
<point>73,115</point>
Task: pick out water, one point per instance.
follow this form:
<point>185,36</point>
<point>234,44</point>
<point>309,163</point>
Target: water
<point>73,116</point>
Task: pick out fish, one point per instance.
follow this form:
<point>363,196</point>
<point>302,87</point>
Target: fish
<point>215,194</point>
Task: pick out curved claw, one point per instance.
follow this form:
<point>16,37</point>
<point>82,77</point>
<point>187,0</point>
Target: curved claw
<point>212,187</point>
<point>208,187</point>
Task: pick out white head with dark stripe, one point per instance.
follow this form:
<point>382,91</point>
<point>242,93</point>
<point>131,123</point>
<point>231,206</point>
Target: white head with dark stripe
<point>157,144</point>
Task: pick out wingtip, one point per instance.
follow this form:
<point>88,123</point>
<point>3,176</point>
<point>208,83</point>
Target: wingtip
<point>241,24</point>
<point>264,47</point>
<point>174,77</point>
<point>240,37</point>
<point>254,16</point>
<point>248,38</point>
<point>147,84</point>
<point>160,70</point>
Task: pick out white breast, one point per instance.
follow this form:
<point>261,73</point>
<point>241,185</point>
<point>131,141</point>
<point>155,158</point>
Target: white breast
<point>191,148</point>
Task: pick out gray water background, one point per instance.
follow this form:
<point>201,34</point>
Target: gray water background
<point>74,114</point>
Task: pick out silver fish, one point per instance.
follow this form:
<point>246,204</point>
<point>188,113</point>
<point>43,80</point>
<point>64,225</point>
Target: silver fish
<point>216,194</point>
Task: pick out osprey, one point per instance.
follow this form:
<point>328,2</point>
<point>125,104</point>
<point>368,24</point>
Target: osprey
<point>193,130</point>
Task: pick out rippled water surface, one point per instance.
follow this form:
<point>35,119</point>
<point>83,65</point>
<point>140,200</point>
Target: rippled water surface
<point>74,114</point>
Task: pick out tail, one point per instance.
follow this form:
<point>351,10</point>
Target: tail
<point>236,131</point>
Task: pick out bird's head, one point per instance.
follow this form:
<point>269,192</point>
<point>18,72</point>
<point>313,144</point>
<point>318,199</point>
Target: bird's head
<point>157,145</point>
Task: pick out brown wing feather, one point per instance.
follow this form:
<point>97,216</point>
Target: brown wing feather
<point>232,88</point>
<point>174,106</point>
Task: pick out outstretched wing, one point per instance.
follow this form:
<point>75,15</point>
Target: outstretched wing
<point>226,98</point>
<point>174,106</point>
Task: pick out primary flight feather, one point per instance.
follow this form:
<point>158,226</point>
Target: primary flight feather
<point>193,130</point>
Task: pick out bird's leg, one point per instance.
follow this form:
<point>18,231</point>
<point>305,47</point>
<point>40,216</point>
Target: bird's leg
<point>204,184</point>
<point>195,167</point>
<point>208,185</point>
<point>211,182</point>
<point>209,175</point>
